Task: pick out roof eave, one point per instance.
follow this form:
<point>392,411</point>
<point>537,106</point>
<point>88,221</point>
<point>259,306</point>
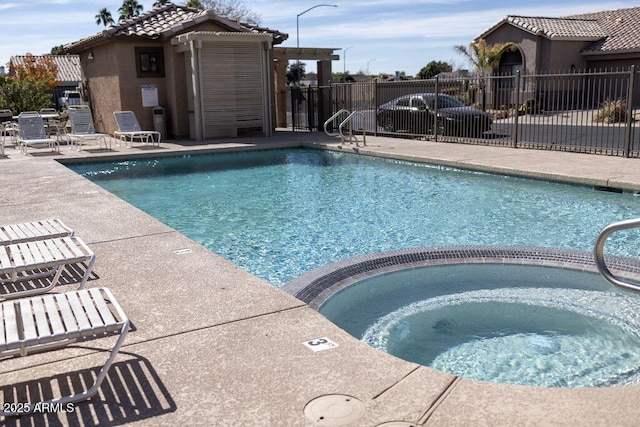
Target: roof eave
<point>484,35</point>
<point>610,52</point>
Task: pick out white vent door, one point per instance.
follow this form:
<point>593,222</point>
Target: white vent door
<point>232,84</point>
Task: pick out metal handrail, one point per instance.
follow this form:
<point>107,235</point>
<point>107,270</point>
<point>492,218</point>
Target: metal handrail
<point>330,119</point>
<point>351,136</point>
<point>598,252</point>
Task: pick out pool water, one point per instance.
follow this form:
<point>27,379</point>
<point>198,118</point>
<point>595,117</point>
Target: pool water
<point>528,325</point>
<point>281,213</point>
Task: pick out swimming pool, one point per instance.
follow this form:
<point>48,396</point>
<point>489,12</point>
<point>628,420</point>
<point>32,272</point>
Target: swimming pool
<point>281,213</point>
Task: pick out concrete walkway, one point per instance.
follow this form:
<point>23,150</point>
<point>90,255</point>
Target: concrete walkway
<point>213,345</point>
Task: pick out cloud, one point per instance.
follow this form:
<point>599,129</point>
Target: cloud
<point>7,6</point>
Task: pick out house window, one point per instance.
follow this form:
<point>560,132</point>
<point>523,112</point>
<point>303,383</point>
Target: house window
<point>150,61</point>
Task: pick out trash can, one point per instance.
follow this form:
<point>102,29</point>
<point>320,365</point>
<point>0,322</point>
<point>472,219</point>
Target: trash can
<point>160,121</point>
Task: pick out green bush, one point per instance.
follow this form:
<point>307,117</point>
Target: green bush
<point>24,94</point>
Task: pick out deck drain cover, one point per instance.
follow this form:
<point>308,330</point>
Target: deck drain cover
<point>397,424</point>
<point>334,410</point>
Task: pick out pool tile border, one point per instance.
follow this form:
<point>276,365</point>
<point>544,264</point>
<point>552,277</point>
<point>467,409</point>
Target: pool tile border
<point>316,286</point>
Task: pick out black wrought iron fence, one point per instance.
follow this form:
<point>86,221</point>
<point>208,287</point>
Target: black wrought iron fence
<point>591,112</point>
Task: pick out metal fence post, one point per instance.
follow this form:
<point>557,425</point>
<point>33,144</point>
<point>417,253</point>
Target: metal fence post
<point>517,106</point>
<point>630,100</point>
<point>435,110</point>
<point>375,106</point>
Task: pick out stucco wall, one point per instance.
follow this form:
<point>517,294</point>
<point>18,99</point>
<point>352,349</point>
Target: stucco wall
<point>562,55</point>
<point>102,74</point>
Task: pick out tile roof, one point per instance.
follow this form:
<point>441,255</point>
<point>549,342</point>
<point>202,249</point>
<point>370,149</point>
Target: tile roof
<point>68,66</point>
<point>611,30</point>
<point>560,28</point>
<point>622,27</point>
<point>168,20</point>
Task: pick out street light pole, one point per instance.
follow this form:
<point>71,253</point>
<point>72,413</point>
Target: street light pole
<point>298,31</point>
<point>369,61</point>
<point>344,65</point>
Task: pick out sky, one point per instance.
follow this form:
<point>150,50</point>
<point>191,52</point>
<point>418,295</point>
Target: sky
<point>378,36</point>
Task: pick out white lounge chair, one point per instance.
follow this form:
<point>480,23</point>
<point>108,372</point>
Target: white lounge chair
<point>129,130</point>
<point>33,133</point>
<point>8,129</point>
<point>25,267</point>
<point>82,129</point>
<point>35,230</point>
<point>53,321</point>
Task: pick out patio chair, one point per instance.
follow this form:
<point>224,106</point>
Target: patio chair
<point>48,111</point>
<point>33,132</point>
<point>25,268</point>
<point>82,129</point>
<point>35,230</point>
<point>129,130</point>
<point>8,129</point>
<point>53,321</point>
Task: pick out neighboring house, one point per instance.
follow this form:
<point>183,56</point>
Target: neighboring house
<point>601,40</point>
<point>68,71</point>
<point>607,40</point>
<point>214,76</point>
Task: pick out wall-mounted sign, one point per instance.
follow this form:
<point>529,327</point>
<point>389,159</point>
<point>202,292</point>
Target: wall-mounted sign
<point>150,95</point>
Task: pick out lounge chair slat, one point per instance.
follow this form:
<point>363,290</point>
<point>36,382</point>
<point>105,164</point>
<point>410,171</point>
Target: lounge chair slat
<point>40,253</point>
<point>55,322</point>
<point>29,230</point>
<point>28,325</point>
<point>16,232</point>
<point>5,262</point>
<point>10,325</point>
<point>42,323</point>
<point>16,254</point>
<point>45,228</point>
<point>97,324</point>
<point>54,248</point>
<point>60,247</point>
<point>71,327</point>
<point>78,312</point>
<point>3,329</point>
<point>12,233</point>
<point>74,247</point>
<point>101,305</point>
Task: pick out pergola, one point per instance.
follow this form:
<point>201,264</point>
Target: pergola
<point>282,55</point>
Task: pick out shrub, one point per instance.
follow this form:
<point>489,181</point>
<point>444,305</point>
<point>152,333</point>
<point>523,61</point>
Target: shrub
<point>28,87</point>
<point>612,112</point>
<point>530,106</point>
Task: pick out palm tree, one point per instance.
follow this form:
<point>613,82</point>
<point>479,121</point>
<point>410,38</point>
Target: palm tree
<point>195,4</point>
<point>160,3</point>
<point>104,17</point>
<point>129,9</point>
<point>485,58</point>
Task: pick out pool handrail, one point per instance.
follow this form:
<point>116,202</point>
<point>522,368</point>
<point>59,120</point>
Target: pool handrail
<point>351,136</point>
<point>598,252</point>
<point>330,119</point>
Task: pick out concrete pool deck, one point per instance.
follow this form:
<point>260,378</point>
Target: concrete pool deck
<point>213,345</point>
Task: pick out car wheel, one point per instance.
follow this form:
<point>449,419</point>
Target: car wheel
<point>439,128</point>
<point>388,124</point>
